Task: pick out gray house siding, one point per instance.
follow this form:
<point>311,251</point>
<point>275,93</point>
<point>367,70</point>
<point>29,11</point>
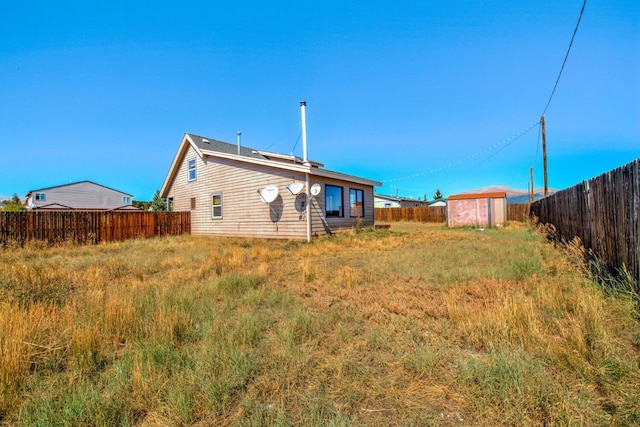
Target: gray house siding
<point>84,195</point>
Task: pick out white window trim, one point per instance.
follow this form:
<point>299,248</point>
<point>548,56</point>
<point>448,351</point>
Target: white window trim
<point>195,170</point>
<point>214,206</point>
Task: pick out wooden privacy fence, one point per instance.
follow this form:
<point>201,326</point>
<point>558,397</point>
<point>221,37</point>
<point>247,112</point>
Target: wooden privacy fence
<point>90,226</point>
<point>603,212</point>
<point>518,211</point>
<point>416,214</point>
<point>515,212</point>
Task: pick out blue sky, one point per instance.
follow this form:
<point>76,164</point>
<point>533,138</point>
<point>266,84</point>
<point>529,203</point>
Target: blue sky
<point>417,94</point>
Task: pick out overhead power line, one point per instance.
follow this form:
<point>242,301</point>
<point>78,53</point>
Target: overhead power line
<point>286,134</point>
<point>503,144</point>
<point>565,58</point>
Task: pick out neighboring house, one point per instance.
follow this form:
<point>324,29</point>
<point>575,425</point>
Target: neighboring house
<point>237,191</point>
<point>477,209</point>
<point>83,195</point>
<point>384,201</point>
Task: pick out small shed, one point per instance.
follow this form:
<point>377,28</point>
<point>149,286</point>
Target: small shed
<point>477,209</point>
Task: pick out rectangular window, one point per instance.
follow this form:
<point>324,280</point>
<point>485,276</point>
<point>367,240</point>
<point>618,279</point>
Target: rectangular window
<point>333,201</point>
<point>192,174</point>
<point>170,204</point>
<point>126,200</point>
<point>40,196</point>
<point>216,206</point>
<point>356,202</point>
<point>193,203</point>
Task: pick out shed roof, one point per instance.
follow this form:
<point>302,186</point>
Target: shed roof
<point>466,196</point>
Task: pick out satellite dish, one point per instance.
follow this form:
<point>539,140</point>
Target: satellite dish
<point>295,187</point>
<point>315,189</point>
<point>269,193</point>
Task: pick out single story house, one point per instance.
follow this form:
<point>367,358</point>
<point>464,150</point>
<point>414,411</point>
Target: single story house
<point>384,201</point>
<point>437,203</point>
<point>232,190</point>
<point>477,209</point>
<point>83,195</point>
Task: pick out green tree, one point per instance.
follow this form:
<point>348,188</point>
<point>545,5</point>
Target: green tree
<point>158,204</point>
<point>14,204</point>
<point>144,205</point>
<point>438,195</point>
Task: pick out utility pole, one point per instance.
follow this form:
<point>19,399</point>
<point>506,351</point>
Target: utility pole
<point>544,156</point>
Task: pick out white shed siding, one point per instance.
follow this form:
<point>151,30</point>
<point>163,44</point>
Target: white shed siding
<point>477,210</point>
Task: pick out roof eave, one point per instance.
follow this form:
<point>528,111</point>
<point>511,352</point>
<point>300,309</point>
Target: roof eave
<point>175,164</point>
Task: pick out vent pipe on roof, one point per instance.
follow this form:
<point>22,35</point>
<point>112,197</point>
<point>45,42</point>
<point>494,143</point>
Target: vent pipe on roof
<point>303,112</point>
<point>238,133</point>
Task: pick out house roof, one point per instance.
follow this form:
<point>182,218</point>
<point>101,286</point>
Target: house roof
<point>76,183</point>
<point>385,197</point>
<point>466,196</point>
<point>397,198</point>
<point>209,147</point>
<point>54,206</point>
<point>61,207</point>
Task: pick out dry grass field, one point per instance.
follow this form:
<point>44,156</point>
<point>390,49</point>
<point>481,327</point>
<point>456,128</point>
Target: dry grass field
<point>413,326</point>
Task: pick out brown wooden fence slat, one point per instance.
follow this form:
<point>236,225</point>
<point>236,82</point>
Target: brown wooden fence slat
<point>90,226</point>
<point>604,213</point>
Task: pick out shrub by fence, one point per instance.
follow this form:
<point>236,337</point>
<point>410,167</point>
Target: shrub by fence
<point>90,226</point>
<point>515,212</point>
<point>603,212</point>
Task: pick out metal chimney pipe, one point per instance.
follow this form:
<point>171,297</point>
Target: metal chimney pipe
<point>305,161</point>
<point>303,111</point>
<point>238,133</point>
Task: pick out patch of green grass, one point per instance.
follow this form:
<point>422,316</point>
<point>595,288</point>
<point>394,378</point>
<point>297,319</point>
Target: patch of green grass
<point>422,360</point>
<point>521,390</point>
<point>236,284</point>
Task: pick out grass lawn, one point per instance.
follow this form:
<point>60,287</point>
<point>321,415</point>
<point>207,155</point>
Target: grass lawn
<point>416,325</point>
